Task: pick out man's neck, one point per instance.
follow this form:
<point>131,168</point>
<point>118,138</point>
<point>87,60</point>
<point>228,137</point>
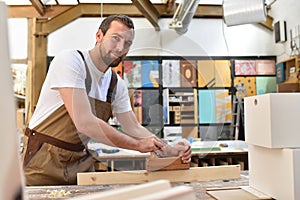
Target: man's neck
<point>97,59</point>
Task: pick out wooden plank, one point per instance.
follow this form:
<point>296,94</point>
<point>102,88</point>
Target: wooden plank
<point>255,192</point>
<point>29,11</point>
<point>38,6</point>
<point>194,174</point>
<point>176,193</point>
<point>236,193</point>
<point>149,11</point>
<point>128,192</point>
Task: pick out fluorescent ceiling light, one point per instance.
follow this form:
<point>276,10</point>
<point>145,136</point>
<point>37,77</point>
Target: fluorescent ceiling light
<point>68,2</point>
<point>49,2</point>
<point>105,1</point>
<point>17,2</point>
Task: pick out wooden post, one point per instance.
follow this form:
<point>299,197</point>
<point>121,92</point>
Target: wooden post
<point>37,63</point>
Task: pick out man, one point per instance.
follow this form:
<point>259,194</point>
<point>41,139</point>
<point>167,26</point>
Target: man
<point>78,97</point>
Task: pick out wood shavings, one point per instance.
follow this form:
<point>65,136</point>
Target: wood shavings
<point>57,193</point>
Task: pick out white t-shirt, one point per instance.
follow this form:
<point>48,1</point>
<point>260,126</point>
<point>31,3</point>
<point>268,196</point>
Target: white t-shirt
<point>67,69</point>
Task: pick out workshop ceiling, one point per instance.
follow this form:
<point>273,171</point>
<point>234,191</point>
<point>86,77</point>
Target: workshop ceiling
<point>69,10</point>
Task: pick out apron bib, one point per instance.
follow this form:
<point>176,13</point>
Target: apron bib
<point>54,151</point>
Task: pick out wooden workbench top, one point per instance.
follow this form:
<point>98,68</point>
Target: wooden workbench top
<point>46,192</point>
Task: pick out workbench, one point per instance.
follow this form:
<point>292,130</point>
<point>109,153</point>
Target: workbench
<point>204,153</point>
<point>137,160</point>
<point>45,192</point>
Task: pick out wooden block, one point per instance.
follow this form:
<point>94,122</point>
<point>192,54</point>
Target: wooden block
<point>153,163</point>
<point>176,193</point>
<point>100,166</point>
<point>128,192</point>
<point>194,174</point>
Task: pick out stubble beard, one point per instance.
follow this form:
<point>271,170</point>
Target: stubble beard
<point>107,59</point>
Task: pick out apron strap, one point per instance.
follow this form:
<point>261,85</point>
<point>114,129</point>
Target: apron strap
<point>113,81</point>
<point>88,79</point>
<point>36,140</point>
<point>112,87</point>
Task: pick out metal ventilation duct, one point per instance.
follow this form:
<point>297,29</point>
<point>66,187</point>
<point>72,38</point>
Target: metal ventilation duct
<point>183,15</point>
<point>237,12</point>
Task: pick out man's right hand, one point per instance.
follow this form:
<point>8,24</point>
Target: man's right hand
<point>150,144</point>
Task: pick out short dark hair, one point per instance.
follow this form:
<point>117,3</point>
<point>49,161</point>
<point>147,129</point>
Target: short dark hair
<point>124,19</point>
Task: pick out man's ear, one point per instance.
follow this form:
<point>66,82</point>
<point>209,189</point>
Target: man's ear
<point>99,36</point>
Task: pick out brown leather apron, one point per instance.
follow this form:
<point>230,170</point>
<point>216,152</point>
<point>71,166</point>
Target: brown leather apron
<point>54,151</point>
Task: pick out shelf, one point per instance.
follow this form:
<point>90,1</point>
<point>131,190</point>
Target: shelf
<point>183,100</point>
<point>289,81</point>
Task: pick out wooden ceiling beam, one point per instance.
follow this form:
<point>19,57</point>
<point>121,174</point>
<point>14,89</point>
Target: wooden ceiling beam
<point>149,11</point>
<point>57,14</point>
<point>131,10</point>
<point>28,11</point>
<point>85,10</point>
<point>38,6</point>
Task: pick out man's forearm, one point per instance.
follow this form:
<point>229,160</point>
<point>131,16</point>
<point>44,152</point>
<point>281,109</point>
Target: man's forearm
<point>102,132</point>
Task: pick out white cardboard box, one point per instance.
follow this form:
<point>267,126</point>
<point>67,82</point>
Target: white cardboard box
<point>275,172</point>
<point>273,120</point>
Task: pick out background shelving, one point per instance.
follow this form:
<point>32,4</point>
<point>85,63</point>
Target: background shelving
<point>192,95</point>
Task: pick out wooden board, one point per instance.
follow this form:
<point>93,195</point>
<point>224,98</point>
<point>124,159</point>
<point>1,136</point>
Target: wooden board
<point>154,163</point>
<point>194,174</point>
<point>236,193</point>
<point>176,193</point>
<point>128,192</point>
<point>159,190</point>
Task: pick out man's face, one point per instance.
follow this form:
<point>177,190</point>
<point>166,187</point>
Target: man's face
<point>115,43</point>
